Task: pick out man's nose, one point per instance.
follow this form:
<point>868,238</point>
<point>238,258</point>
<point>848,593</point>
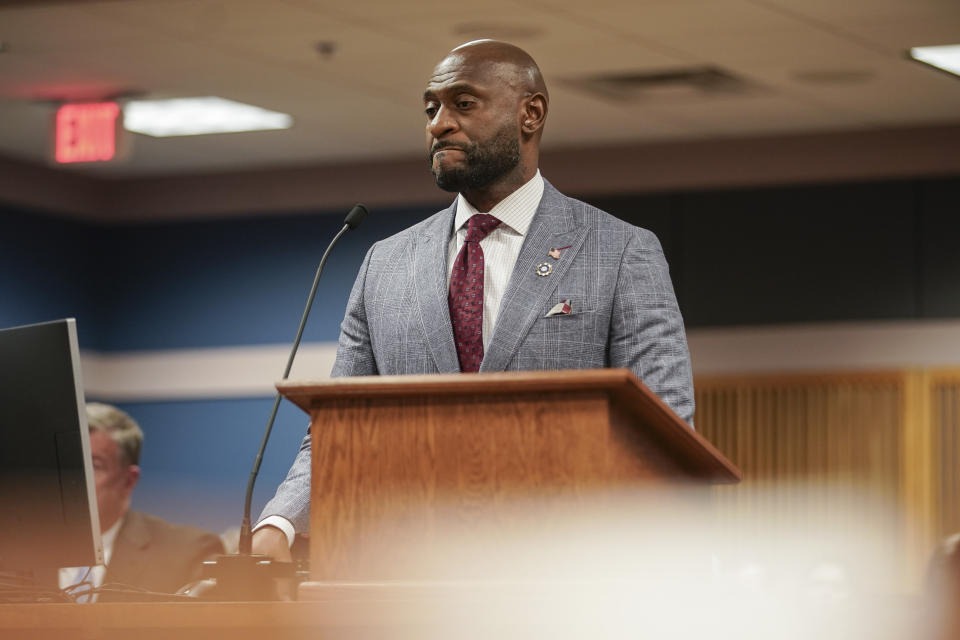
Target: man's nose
<point>442,123</point>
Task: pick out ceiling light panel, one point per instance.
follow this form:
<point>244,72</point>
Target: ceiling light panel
<point>198,116</point>
<point>946,57</point>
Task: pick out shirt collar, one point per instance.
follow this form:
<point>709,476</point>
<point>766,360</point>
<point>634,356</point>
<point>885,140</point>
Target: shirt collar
<point>515,211</point>
<point>109,536</point>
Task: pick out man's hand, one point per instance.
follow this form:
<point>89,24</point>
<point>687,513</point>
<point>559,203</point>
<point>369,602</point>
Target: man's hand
<point>272,542</point>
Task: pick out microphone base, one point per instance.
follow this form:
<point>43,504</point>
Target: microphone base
<point>244,578</point>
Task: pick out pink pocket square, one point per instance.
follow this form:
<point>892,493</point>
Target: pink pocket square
<point>563,308</point>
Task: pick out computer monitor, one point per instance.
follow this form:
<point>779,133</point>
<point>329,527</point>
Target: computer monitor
<point>48,504</point>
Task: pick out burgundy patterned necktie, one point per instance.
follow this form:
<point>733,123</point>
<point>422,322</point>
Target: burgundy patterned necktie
<point>466,293</point>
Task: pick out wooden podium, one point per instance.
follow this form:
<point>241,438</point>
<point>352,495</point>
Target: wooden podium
<point>405,451</point>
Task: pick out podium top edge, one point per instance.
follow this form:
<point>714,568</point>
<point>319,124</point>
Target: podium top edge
<point>486,383</point>
<point>620,384</point>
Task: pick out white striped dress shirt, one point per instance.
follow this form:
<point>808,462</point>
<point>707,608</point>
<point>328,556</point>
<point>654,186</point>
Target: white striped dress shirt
<point>501,247</point>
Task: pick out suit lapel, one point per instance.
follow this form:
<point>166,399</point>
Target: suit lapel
<point>554,225</point>
<point>430,282</point>
<point>129,558</point>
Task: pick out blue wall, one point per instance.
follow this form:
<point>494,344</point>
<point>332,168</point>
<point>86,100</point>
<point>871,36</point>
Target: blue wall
<point>197,457</point>
<point>226,283</point>
<point>44,267</point>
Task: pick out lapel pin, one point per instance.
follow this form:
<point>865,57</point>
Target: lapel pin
<point>562,308</point>
<point>544,269</point>
<point>555,253</point>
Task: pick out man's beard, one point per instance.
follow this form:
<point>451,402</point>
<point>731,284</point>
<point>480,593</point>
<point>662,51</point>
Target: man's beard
<point>484,162</point>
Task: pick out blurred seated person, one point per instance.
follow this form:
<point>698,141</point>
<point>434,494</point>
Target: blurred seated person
<point>141,552</point>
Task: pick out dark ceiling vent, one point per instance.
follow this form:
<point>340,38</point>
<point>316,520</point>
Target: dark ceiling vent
<point>667,84</point>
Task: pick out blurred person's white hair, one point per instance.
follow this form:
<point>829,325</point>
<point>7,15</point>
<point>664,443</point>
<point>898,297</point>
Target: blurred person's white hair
<point>121,428</point>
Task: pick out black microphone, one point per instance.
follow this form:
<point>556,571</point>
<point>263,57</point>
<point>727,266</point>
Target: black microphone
<point>355,218</point>
<point>243,576</point>
<point>352,221</point>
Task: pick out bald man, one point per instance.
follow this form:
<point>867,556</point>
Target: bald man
<point>513,275</point>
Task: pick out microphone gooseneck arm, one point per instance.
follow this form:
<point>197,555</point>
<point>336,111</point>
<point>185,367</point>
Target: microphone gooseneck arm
<point>352,221</point>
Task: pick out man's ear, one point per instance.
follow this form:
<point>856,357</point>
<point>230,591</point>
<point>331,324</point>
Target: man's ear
<point>133,474</point>
<point>534,113</point>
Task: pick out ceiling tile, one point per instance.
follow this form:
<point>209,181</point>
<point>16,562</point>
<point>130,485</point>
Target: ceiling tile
<point>769,114</point>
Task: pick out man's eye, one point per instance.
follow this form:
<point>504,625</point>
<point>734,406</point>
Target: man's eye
<point>430,111</point>
<point>464,104</point>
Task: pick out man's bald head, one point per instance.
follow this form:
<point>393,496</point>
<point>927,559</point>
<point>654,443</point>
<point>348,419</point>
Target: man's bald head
<point>486,105</point>
<point>515,65</point>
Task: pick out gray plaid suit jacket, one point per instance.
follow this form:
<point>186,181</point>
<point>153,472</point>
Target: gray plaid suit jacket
<point>624,313</point>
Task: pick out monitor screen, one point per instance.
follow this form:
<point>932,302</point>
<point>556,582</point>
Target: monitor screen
<point>48,505</point>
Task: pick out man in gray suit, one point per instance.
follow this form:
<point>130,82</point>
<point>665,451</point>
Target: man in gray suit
<point>512,276</point>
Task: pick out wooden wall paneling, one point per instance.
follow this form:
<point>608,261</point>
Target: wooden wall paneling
<point>951,461</point>
<point>945,415</point>
<point>836,447</point>
<point>918,471</point>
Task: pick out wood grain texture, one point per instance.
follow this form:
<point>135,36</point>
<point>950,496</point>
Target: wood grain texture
<point>399,462</point>
<point>350,612</point>
<point>387,471</point>
<point>890,435</point>
<point>620,385</point>
<point>945,417</point>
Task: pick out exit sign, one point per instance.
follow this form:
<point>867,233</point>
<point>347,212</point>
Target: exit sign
<point>86,132</point>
